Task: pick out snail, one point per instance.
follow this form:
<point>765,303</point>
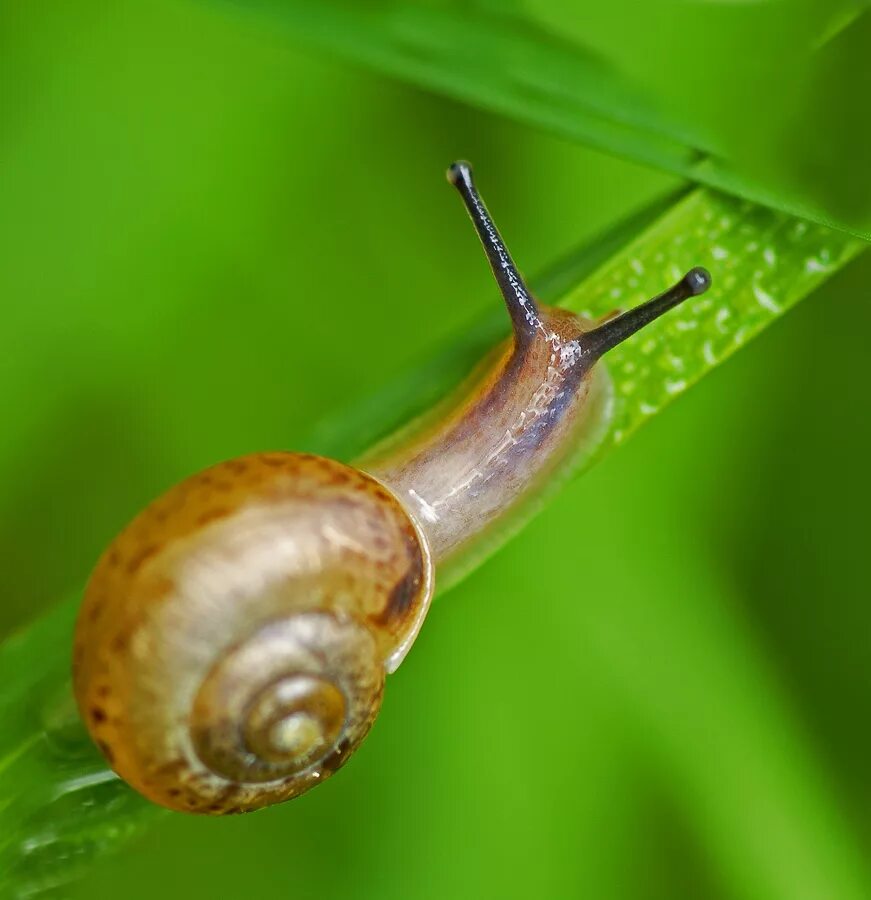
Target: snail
<point>233,641</point>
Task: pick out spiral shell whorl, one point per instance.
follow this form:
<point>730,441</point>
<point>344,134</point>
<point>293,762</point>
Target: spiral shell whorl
<point>233,641</point>
<point>300,694</point>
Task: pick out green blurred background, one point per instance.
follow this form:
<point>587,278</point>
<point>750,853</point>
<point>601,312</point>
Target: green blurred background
<point>213,236</point>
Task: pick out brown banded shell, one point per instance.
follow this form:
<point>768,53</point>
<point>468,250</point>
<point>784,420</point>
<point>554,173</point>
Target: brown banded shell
<point>233,640</point>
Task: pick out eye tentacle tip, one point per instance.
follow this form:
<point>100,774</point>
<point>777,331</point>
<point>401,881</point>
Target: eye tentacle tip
<point>697,280</point>
<point>459,171</point>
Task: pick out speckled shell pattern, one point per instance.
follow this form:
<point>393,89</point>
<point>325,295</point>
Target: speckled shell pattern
<point>231,648</point>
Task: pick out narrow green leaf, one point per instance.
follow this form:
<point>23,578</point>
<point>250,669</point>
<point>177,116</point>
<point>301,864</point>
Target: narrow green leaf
<point>507,63</point>
<point>60,808</point>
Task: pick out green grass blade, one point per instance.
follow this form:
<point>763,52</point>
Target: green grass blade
<point>509,65</point>
<point>59,806</point>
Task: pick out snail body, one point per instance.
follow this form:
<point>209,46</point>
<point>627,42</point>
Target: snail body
<point>233,640</point>
<point>468,472</point>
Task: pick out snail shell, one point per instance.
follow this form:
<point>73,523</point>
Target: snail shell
<point>233,640</point>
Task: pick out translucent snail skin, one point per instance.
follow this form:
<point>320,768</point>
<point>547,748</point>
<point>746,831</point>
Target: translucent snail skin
<point>233,641</point>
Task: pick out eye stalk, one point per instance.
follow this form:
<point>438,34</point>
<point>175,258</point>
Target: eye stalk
<point>522,308</point>
<point>604,338</point>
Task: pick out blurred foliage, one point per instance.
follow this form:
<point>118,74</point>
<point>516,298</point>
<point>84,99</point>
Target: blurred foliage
<point>196,218</point>
<point>752,98</point>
